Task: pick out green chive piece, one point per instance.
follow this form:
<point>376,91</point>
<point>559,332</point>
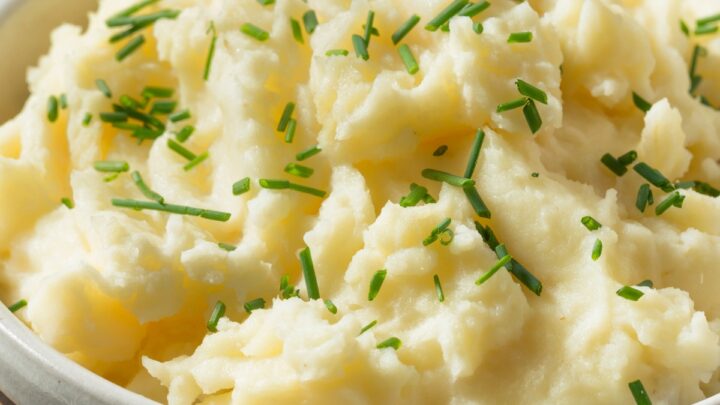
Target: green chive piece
<point>369,27</point>
<point>440,150</point>
<point>376,283</point>
<point>111,166</point>
<point>685,184</point>
<point>103,87</point>
<point>448,178</point>
<point>266,2</point>
<point>308,153</point>
<point>590,223</point>
<point>673,199</point>
<point>695,80</point>
<point>128,32</point>
<point>217,313</point>
<point>393,342</point>
<point>180,150</point>
<point>330,306</point>
<point>180,116</point>
<point>141,116</point>
<point>337,52</point>
<point>360,47</point>
<point>113,117</point>
<point>111,177</point>
<point>367,327</point>
<point>708,20</point>
<point>157,92</point>
<point>287,291</point>
<point>416,195</point>
<point>67,202</point>
<point>627,158</point>
<point>405,28</point>
<point>17,306</point>
<point>134,8</point>
<point>147,192</point>
<point>307,190</point>
<point>630,293</point>
<point>532,116</point>
<point>129,48</point>
<point>519,271</point>
<point>63,101</point>
<point>684,28</point>
<point>87,119</point>
<point>310,21</point>
<point>171,208</point>
<point>185,133</point>
<point>654,177</point>
<point>299,170</point>
<point>296,30</point>
<point>611,163</point>
<point>645,283</point>
<point>274,184</point>
<point>129,102</point>
<point>257,303</point>
<point>52,109</point>
<point>477,202</point>
<point>408,59</point>
<point>706,189</point>
<point>642,104</point>
<point>440,230</point>
<point>290,130</point>
<point>438,288</point>
<point>535,174</point>
<point>474,153</point>
<point>597,249</point>
<point>471,10</point>
<point>163,107</point>
<point>478,28</point>
<point>241,187</point>
<point>199,159</point>
<point>446,14</point>
<point>527,89</point>
<point>227,247</point>
<point>511,105</point>
<point>211,51</point>
<point>142,20</point>
<point>706,29</point>
<point>644,196</point>
<point>505,260</point>
<point>286,116</point>
<point>308,270</point>
<point>520,37</point>
<point>254,31</point>
<point>639,394</point>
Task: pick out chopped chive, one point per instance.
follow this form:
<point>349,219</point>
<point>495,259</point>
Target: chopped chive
<point>494,269</point>
<point>142,20</point>
<point>367,327</point>
<point>286,116</point>
<point>67,202</point>
<point>684,185</point>
<point>307,190</point>
<point>629,293</point>
<point>597,249</point>
<point>438,288</point>
<point>368,27</point>
<point>287,291</point>
<point>241,187</point>
<point>87,119</point>
<point>63,101</point>
<point>511,105</point>
<point>180,116</point>
<point>611,163</point>
<point>17,306</point>
<point>645,283</point>
<point>644,197</point>
<point>440,150</point>
<point>590,223</point>
<point>185,133</point>
<point>654,177</point>
<point>639,394</point>
<point>274,184</point>
<point>129,48</point>
<point>141,116</point>
<point>147,192</point>
<point>532,116</point>
<point>706,29</point>
<point>129,102</point>
<point>478,28</point>
<point>180,150</point>
<point>684,28</point>
<point>266,2</point>
<point>520,37</point>
<point>448,178</point>
<point>519,271</point>
<point>211,51</point>
<point>157,92</point>
<point>330,306</point>
<point>299,170</point>
<point>163,107</point>
<point>376,283</point>
<point>310,21</point>
<point>474,153</point>
<point>527,89</point>
<point>698,51</point>
<point>257,303</point>
<point>199,159</point>
<point>360,47</point>
<point>642,104</point>
<point>52,109</point>
<point>103,87</point>
<point>113,117</point>
<point>393,342</point>
<point>440,230</point>
<point>111,166</point>
<point>416,195</point>
<point>128,32</point>
<point>408,59</point>
<point>446,14</point>
<point>706,189</point>
<point>308,153</point>
<point>471,10</point>
<point>708,20</point>
<point>134,8</point>
<point>254,31</point>
<point>673,199</point>
<point>111,177</point>
<point>627,158</point>
<point>296,30</point>
<point>171,208</point>
<point>217,313</point>
<point>476,202</point>
<point>227,247</point>
<point>146,133</point>
<point>308,270</point>
<point>290,130</point>
<point>337,52</point>
<point>405,28</point>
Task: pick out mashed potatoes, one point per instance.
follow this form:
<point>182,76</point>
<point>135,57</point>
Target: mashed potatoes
<point>128,293</point>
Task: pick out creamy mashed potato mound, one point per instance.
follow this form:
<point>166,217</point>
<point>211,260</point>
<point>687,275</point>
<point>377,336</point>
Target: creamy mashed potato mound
<point>128,293</point>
